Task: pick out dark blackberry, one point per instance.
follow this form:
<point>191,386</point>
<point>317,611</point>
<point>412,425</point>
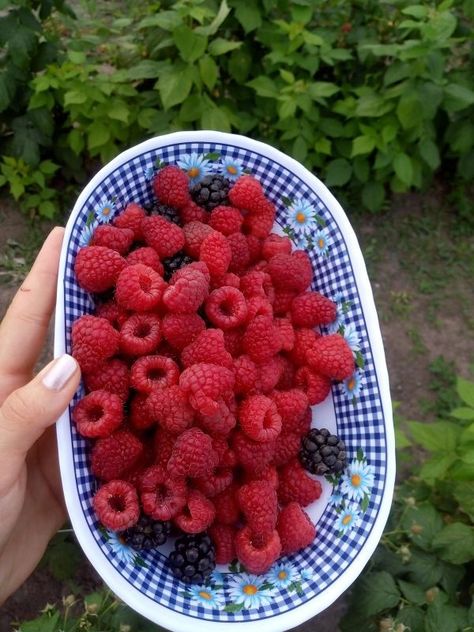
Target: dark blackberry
<point>193,558</point>
<point>211,191</point>
<point>168,212</point>
<point>322,452</point>
<point>147,533</point>
<point>175,263</point>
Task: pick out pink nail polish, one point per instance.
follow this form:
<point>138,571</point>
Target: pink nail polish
<point>60,372</point>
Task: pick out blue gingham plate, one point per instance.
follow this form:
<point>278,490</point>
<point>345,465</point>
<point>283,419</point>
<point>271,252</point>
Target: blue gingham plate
<point>351,513</point>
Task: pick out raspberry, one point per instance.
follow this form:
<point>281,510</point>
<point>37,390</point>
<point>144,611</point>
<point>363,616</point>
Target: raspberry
<point>215,482</point>
<point>259,504</point>
<point>194,235</point>
<point>222,536</point>
<point>257,284</point>
<point>296,485</point>
<point>261,222</point>
<point>183,272</point>
<point>291,406</point>
<point>207,347</point>
<point>269,374</point>
<point>287,333</point>
<point>139,288</point>
<point>193,213</point>
<point>220,423</point>
<point>255,247</point>
<point>240,254</point>
<point>256,552</point>
<point>226,307</point>
<point>216,253</point>
<point>154,371</point>
<point>229,278</point>
<point>192,454</point>
<point>294,528</point>
<point>290,272</point>
<point>268,473</point>
<point>181,329</point>
<point>111,376</point>
<point>287,447</point>
<point>233,341</point>
<point>97,268</point>
<point>205,384</point>
<point>131,218</point>
<point>311,308</point>
<point>197,515</point>
<point>113,456</point>
<point>140,334</point>
<point>304,424</point>
<point>259,418</point>
<point>163,496</point>
<point>282,302</point>
<point>252,455</point>
<point>315,386</point>
<point>258,306</point>
<point>275,245</point>
<point>148,257</point>
<point>247,193</point>
<point>169,407</point>
<point>246,375</point>
<point>163,446</point>
<point>304,339</point>
<point>139,415</point>
<point>331,356</point>
<point>261,339</point>
<point>227,506</point>
<point>287,375</point>
<point>226,455</point>
<point>93,341</point>
<point>163,236</point>
<point>171,186</point>
<point>119,239</point>
<point>98,414</point>
<point>116,505</point>
<point>226,219</point>
<point>187,293</point>
<point>113,313</point>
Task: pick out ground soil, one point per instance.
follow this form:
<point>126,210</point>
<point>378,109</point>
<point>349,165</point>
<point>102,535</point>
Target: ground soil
<point>419,323</point>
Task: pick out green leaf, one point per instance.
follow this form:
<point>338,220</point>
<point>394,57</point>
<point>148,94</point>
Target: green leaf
<point>74,97</point>
<point>403,168</point>
<point>338,172</point>
<point>401,440</point>
<point>436,467</point>
<point>373,195</point>
<point>249,16</point>
<point>412,617</point>
<point>220,46</point>
<point>323,146</point>
<point>416,11</point>
<point>465,390</point>
<point>118,111</point>
<point>377,592</point>
<point>441,436</point>
<point>215,118</point>
<point>430,154</point>
<point>425,569</point>
<point>146,69</point>
<point>77,57</point>
<point>389,133</point>
<point>372,105</point>
<point>233,607</point>
<point>463,413</point>
<point>322,89</point>
<point>98,135</point>
<point>209,71</point>
<point>409,111</point>
<point>457,97</point>
<point>440,26</point>
<point>47,209</point>
<point>47,622</point>
<point>362,145</point>
<point>422,523</point>
<point>287,107</point>
<point>442,616</point>
<point>463,492</point>
<point>455,543</point>
<point>412,592</point>
<point>167,20</point>
<point>221,15</point>
<point>264,86</point>
<point>191,45</point>
<point>175,84</point>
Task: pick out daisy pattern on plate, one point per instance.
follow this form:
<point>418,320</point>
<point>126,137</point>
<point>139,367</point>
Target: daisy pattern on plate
<point>352,386</point>
<point>217,577</point>
<point>149,172</point>
<point>306,574</point>
<point>196,166</point>
<point>321,241</point>
<point>206,596</point>
<point>87,233</point>
<point>282,575</point>
<point>336,499</point>
<point>352,337</point>
<point>357,480</point>
<point>348,518</point>
<point>124,552</point>
<point>248,591</point>
<point>341,309</point>
<point>232,168</point>
<point>105,211</point>
<point>302,217</point>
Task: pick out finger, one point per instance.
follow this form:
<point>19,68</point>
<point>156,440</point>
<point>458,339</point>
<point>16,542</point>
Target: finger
<point>29,410</point>
<point>24,327</point>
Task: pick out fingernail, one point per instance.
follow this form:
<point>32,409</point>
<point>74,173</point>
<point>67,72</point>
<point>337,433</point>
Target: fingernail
<point>60,373</point>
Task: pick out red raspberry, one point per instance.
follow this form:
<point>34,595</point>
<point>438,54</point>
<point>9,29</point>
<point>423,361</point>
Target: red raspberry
<point>255,247</point>
<point>163,445</point>
<point>148,257</point>
<point>169,407</point>
<point>98,414</point>
<point>140,334</point>
<point>154,371</point>
<point>222,537</point>
<point>163,496</point>
<point>226,307</point>
<point>139,288</point>
<point>163,236</point>
<point>275,245</point>
<point>255,551</point>
<point>226,219</point>
<point>258,306</point>
<point>296,485</point>
<point>287,375</point>
<point>193,213</point>
<point>315,386</point>
<point>304,339</point>
<point>112,376</point>
<point>181,329</point>
<point>97,268</point>
<point>116,505</point>
<point>215,252</point>
<point>225,453</point>
<point>331,356</point>
<point>186,293</point>
<point>113,456</point>
<point>197,515</point>
<point>192,454</point>
<point>119,239</point>
<point>207,347</point>
<point>291,406</point>
<point>93,341</point>
<point>261,339</point>
<point>287,333</point>
<point>220,423</point>
<point>247,194</point>
<point>240,254</point>
<point>113,313</point>
<point>295,529</point>
<point>229,278</point>
<point>269,374</point>
<point>287,448</point>
<point>268,473</point>
<point>139,415</point>
<point>233,341</point>
<point>171,187</point>
<point>183,272</point>
<point>252,455</point>
<point>311,308</point>
<point>259,266</point>
<point>283,301</point>
<point>290,272</point>
<point>194,235</point>
<point>261,222</point>
<point>227,506</point>
<point>131,218</point>
<point>257,283</point>
<point>246,375</point>
<point>215,482</point>
<point>205,384</point>
<point>259,419</point>
<point>258,502</point>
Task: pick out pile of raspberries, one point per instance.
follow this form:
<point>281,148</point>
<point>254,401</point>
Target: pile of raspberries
<point>199,388</point>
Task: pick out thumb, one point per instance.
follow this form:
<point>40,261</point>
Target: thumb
<point>29,410</point>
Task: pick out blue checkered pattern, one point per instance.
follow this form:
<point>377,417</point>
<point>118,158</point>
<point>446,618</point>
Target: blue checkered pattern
<point>361,425</point>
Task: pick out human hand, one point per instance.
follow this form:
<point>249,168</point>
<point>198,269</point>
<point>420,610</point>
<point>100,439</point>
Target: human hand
<point>31,503</point>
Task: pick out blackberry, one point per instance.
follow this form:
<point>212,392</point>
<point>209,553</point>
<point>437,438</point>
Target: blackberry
<point>168,212</point>
<point>147,533</point>
<point>193,558</point>
<point>211,191</point>
<point>177,261</point>
<point>322,452</point>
